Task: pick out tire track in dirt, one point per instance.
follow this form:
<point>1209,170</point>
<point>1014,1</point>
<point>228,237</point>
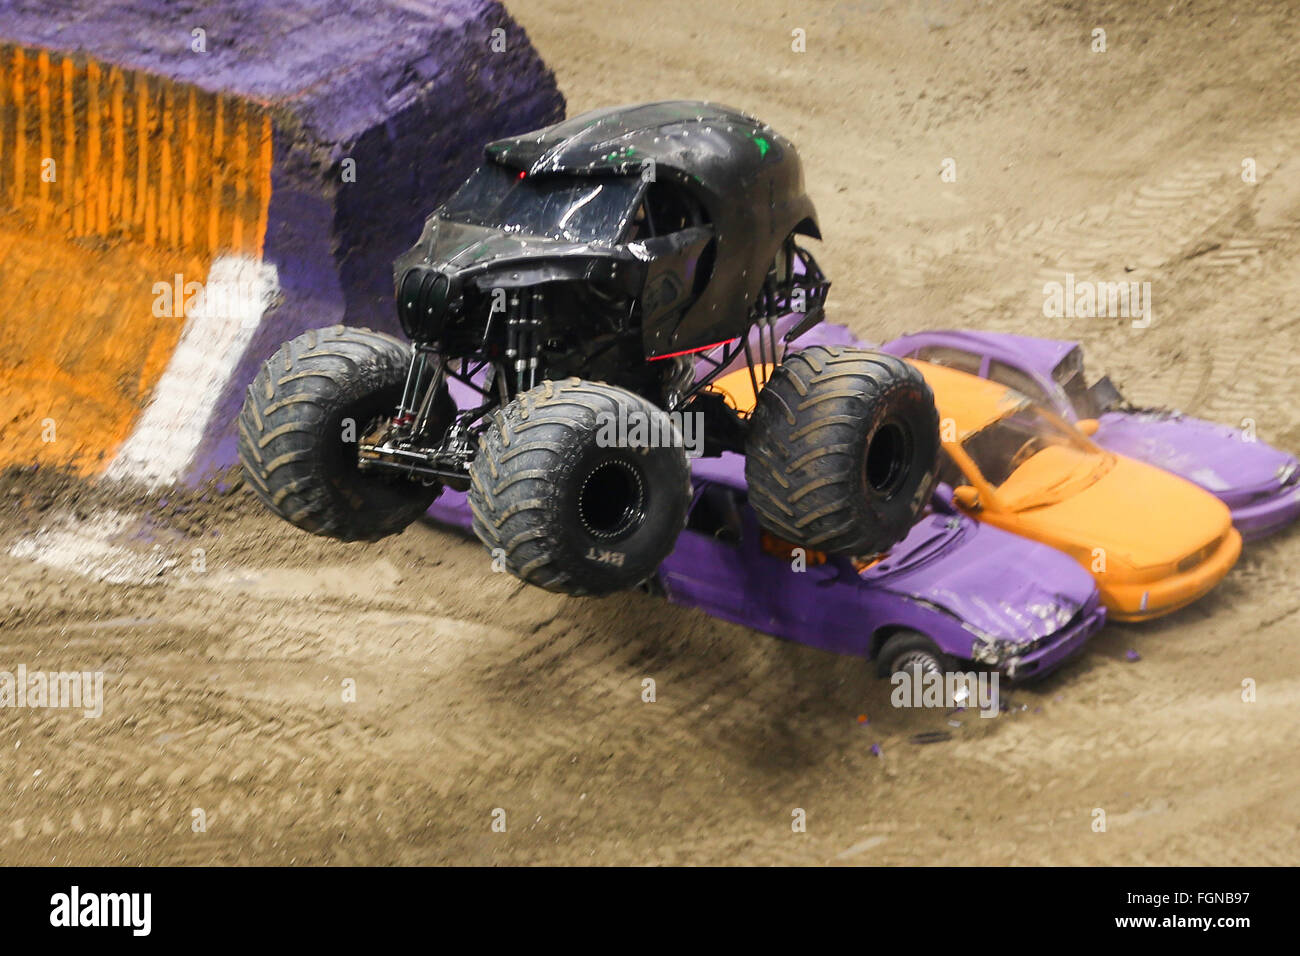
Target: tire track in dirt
<point>1144,230</point>
<point>473,693</point>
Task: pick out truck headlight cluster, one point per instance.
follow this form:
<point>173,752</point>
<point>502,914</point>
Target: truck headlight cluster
<point>424,299</point>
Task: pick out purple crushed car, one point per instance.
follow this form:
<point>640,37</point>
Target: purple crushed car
<point>951,593</point>
<point>1258,483</point>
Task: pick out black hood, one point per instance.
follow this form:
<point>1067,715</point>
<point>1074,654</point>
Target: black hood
<point>499,259</point>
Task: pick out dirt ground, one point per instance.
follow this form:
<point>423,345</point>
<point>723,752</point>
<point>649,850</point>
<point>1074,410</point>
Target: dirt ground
<point>226,637</point>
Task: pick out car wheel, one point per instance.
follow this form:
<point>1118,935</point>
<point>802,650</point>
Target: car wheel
<point>908,650</point>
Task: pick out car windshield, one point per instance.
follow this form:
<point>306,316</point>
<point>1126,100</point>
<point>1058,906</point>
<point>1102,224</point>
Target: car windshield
<point>571,208</point>
<point>1031,459</point>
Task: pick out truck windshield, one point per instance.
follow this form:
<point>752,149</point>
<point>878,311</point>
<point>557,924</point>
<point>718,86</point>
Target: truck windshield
<point>570,208</point>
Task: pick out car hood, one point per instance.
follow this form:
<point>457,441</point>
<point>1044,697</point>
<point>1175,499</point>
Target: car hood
<point>1000,585</point>
<point>1213,456</point>
<point>1136,512</point>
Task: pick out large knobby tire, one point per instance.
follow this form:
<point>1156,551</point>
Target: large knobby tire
<point>293,426</point>
<point>566,508</point>
<point>841,453</point>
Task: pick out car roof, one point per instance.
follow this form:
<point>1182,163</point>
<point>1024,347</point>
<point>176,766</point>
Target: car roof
<point>1042,354</point>
<point>618,139</point>
<point>969,401</point>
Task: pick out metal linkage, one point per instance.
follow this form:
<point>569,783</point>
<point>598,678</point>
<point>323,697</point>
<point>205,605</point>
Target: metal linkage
<point>815,286</point>
<point>534,336</point>
<point>729,353</point>
<point>524,337</point>
<point>406,407</point>
<point>435,383</point>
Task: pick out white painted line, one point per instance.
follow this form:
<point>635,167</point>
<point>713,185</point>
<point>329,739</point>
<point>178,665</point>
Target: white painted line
<point>217,332</point>
<point>859,848</point>
<point>85,547</point>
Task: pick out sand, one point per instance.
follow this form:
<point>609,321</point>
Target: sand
<point>228,648</point>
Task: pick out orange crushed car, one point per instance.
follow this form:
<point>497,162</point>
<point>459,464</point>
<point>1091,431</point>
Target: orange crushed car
<point>1154,542</point>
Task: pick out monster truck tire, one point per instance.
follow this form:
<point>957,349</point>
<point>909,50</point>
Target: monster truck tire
<point>566,506</point>
<point>292,434</point>
<point>841,450</point>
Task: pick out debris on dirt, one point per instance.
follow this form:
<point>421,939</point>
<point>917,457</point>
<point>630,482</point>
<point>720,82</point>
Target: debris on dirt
<point>931,737</point>
<point>27,495</point>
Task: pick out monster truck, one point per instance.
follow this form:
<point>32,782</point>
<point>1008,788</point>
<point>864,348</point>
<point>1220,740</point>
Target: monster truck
<point>582,276</point>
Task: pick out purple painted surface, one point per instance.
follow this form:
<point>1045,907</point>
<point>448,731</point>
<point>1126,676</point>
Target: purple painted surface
<point>964,585</point>
<point>1258,483</point>
<point>829,333</point>
<point>1036,353</point>
<point>338,68</point>
<point>410,91</point>
<point>299,240</point>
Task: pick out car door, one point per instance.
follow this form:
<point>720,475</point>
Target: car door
<point>727,566</point>
<point>801,595</point>
<point>706,568</point>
